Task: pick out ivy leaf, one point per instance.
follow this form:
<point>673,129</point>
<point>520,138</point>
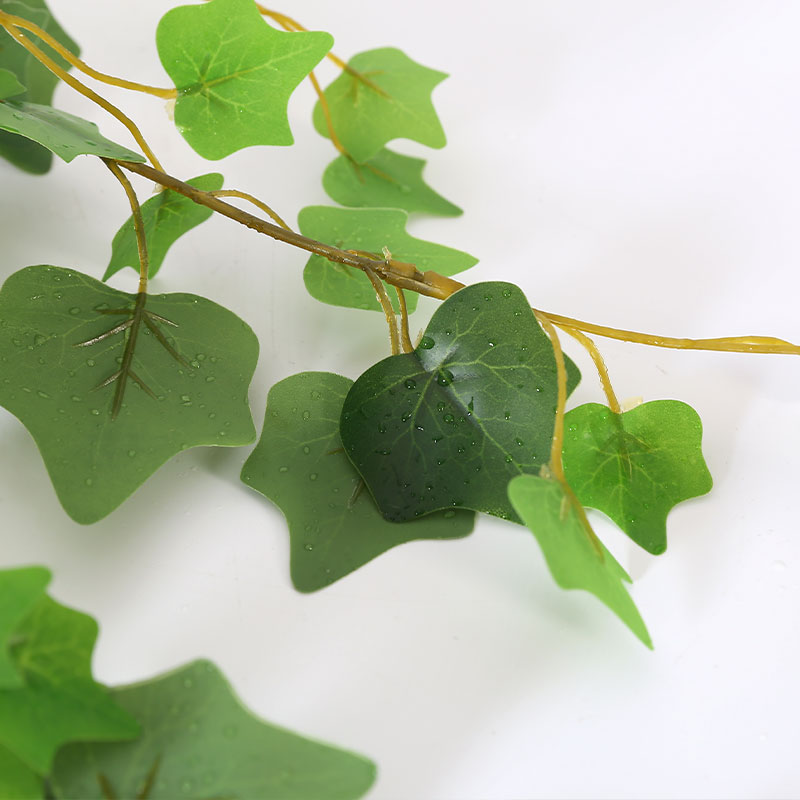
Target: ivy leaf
<point>199,741</point>
<point>17,780</point>
<point>37,79</point>
<point>19,591</point>
<point>300,465</point>
<point>234,74</point>
<point>388,180</point>
<point>575,559</point>
<point>370,230</point>
<point>166,217</point>
<point>59,702</point>
<point>64,134</point>
<point>186,385</point>
<point>393,102</point>
<point>636,466</point>
<point>452,422</point>
<point>9,85</point>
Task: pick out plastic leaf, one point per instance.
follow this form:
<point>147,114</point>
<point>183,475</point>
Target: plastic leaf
<point>369,230</point>
<point>188,376</point>
<point>576,559</point>
<point>38,80</point>
<point>451,423</point>
<point>393,102</point>
<point>300,465</point>
<point>199,741</point>
<point>166,217</point>
<point>234,74</point>
<point>9,85</point>
<point>636,466</point>
<point>389,180</point>
<point>17,780</point>
<point>64,134</point>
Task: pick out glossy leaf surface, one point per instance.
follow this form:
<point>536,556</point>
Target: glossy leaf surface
<point>575,560</point>
<point>166,217</point>
<point>55,387</point>
<point>369,230</point>
<point>394,104</point>
<point>636,466</point>
<point>300,465</point>
<point>234,74</point>
<point>203,743</point>
<point>451,423</point>
<point>388,180</point>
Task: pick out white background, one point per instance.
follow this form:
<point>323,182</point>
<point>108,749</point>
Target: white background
<point>633,164</point>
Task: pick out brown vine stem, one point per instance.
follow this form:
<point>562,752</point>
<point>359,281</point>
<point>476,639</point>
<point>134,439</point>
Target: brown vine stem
<point>19,22</point>
<point>386,305</point>
<point>255,201</point>
<point>405,333</point>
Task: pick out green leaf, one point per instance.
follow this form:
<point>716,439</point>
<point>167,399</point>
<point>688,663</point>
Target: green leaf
<point>636,466</point>
<point>166,217</point>
<point>17,780</point>
<point>394,102</point>
<point>451,423</point>
<point>370,230</point>
<point>37,79</point>
<point>576,559</point>
<point>234,74</point>
<point>389,180</point>
<point>199,741</point>
<point>64,134</point>
<point>56,388</point>
<point>19,591</point>
<point>9,85</point>
<point>299,464</point>
<point>60,702</point>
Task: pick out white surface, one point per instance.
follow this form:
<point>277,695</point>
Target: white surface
<point>634,164</point>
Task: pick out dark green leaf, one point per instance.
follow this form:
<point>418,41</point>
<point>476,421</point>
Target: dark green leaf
<point>9,85</point>
<point>451,423</point>
<point>300,465</point>
<point>370,230</point>
<point>166,217</point>
<point>20,589</point>
<point>37,79</point>
<point>389,180</point>
<point>234,74</point>
<point>17,780</point>
<point>199,741</point>
<point>394,102</point>
<point>64,134</point>
<point>55,387</point>
<point>576,559</point>
<point>636,466</point>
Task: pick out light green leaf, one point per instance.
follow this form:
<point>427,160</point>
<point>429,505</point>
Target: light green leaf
<point>370,230</point>
<point>199,741</point>
<point>64,134</point>
<point>196,374</point>
<point>451,423</point>
<point>394,102</point>
<point>59,702</point>
<point>299,464</point>
<point>38,80</point>
<point>389,180</point>
<point>20,589</point>
<point>234,74</point>
<point>576,559</point>
<point>9,85</point>
<point>636,466</point>
<point>17,780</point>
<point>166,217</point>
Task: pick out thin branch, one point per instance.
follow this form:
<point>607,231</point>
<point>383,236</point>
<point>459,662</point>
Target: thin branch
<point>255,201</point>
<point>405,334</point>
<point>386,305</point>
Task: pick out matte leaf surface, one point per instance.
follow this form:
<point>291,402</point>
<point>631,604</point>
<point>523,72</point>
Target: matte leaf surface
<point>166,217</point>
<point>395,103</point>
<point>636,466</point>
<point>37,79</point>
<point>388,180</point>
<point>234,74</point>
<point>370,230</point>
<point>299,464</point>
<point>17,780</point>
<point>572,556</point>
<point>20,589</point>
<point>9,85</point>
<point>64,134</point>
<point>64,393</point>
<point>203,743</point>
<point>451,423</point>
